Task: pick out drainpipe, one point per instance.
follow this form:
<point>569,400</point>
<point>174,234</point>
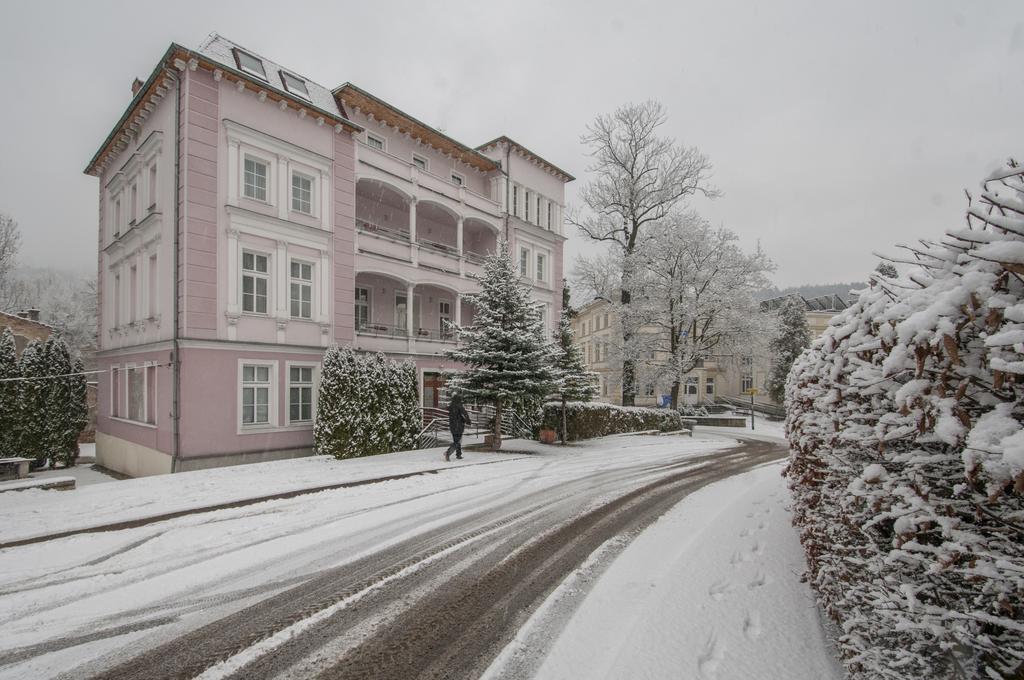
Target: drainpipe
<point>176,348</point>
<point>508,189</point>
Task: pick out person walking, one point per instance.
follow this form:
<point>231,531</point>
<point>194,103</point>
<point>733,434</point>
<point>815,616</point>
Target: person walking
<point>457,419</point>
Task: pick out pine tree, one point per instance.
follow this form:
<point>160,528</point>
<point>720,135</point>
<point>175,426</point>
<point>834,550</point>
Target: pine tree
<point>508,359</point>
<point>10,431</point>
<point>792,338</point>
<point>69,411</point>
<point>32,406</point>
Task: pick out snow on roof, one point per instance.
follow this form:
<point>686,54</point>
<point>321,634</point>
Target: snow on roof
<point>550,167</point>
<point>218,48</point>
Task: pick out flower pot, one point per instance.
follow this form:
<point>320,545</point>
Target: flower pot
<point>548,436</point>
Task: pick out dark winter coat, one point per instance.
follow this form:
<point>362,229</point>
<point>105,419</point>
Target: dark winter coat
<point>457,417</point>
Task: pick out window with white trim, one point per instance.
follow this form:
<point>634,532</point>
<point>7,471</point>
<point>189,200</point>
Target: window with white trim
<point>549,215</point>
<point>134,214</point>
<point>362,308</point>
<point>255,394</point>
<point>401,313</point>
<point>746,383</point>
<point>255,282</point>
<point>420,162</point>
<point>116,224</point>
<point>302,193</point>
<point>649,390</point>
<point>115,391</point>
<point>255,180</point>
<point>541,272</point>
<point>537,214</point>
<point>374,142</point>
<point>137,394</point>
<point>691,386</point>
<point>709,387</point>
<point>152,188</point>
<point>301,290</point>
<point>457,179</point>
<point>444,315</point>
<point>526,205</point>
<point>524,261</point>
<point>515,200</point>
<point>300,394</point>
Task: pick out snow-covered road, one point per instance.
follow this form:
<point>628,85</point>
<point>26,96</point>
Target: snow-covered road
<point>430,575</point>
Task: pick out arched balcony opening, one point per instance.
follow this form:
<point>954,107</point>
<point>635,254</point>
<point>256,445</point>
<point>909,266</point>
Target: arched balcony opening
<point>382,209</point>
<point>479,239</point>
<point>436,227</point>
<point>382,305</point>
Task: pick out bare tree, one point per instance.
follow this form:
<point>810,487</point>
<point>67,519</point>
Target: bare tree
<point>10,244</point>
<point>639,178</point>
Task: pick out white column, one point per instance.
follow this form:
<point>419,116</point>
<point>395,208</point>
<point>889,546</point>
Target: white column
<point>233,177</point>
<point>233,273</point>
<point>281,278</point>
<point>283,186</point>
<point>408,311</point>
<point>326,192</point>
<point>458,234</point>
<point>412,219</point>
<point>458,309</point>
<point>325,286</point>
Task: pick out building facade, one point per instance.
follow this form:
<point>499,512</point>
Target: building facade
<point>726,376</point>
<point>249,218</point>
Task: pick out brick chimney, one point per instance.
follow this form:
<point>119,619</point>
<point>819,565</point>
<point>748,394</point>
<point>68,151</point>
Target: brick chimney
<point>32,314</point>
<point>136,86</point>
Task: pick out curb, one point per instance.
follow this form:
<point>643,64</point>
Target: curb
<point>284,495</point>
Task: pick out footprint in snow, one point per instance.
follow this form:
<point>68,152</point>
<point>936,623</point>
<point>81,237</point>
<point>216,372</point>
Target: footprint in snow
<point>760,579</point>
<point>720,589</point>
<point>762,525</point>
<point>744,533</point>
<point>711,657</point>
<point>752,625</point>
<point>738,558</point>
<point>758,549</point>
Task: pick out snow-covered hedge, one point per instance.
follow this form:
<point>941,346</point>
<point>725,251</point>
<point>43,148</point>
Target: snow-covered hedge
<point>367,404</point>
<point>585,420</point>
<point>907,464</point>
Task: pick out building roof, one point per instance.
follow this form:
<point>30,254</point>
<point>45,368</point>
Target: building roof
<point>218,55</point>
<point>822,303</point>
<point>529,155</point>
<point>355,97</point>
<point>7,318</point>
<point>224,51</point>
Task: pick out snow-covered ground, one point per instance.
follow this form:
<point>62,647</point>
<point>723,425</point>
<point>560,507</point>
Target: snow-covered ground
<point>714,583</point>
<point>712,590</point>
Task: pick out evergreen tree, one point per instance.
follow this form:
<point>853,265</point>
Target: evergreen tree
<point>66,403</point>
<point>367,404</point>
<point>792,338</point>
<point>10,432</point>
<point>887,270</point>
<point>508,359</point>
<point>575,383</point>
<point>32,407</point>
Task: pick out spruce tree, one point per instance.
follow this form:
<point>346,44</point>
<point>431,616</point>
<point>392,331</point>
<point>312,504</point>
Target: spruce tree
<point>10,431</point>
<point>32,406</point>
<point>69,411</point>
<point>575,383</point>
<point>508,359</point>
<point>792,338</point>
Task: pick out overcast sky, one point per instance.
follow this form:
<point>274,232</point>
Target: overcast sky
<point>835,129</point>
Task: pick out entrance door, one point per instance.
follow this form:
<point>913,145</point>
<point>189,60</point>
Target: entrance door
<point>432,385</point>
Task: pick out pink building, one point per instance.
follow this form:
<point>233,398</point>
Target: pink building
<point>249,218</point>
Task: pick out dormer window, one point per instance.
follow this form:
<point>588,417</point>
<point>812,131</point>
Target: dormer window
<point>250,64</point>
<point>295,85</point>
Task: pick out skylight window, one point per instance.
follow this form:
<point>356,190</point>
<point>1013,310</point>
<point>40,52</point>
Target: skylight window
<point>296,86</point>
<point>250,64</point>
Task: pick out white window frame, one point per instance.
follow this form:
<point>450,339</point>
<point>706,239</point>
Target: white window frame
<point>526,206</point>
<point>302,283</point>
<point>540,267</point>
<point>296,174</point>
<point>299,83</point>
<point>271,395</point>
<point>458,180</point>
<point>695,384</point>
<point>359,303</point>
<point>267,190</point>
<point>709,386</point>
<point>255,274</point>
<point>445,329</point>
<point>383,142</point>
<point>115,391</point>
<point>313,386</point>
<point>515,200</point>
<point>528,253</point>
<point>422,159</point>
<point>261,73</point>
<point>746,383</point>
<point>401,320</point>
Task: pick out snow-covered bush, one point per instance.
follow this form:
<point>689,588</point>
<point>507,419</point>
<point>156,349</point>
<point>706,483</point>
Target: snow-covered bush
<point>367,404</point>
<point>67,412</point>
<point>585,420</point>
<point>907,463</point>
<point>10,431</point>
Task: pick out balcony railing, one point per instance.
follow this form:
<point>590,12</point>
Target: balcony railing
<point>443,334</point>
<point>372,228</point>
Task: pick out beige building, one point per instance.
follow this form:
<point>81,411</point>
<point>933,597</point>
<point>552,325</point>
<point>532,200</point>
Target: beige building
<point>596,332</point>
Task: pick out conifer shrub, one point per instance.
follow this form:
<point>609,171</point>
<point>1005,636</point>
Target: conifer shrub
<point>586,420</point>
<point>367,405</point>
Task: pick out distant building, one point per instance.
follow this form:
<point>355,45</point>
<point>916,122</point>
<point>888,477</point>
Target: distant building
<point>725,376</point>
<point>26,327</point>
<point>300,217</point>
